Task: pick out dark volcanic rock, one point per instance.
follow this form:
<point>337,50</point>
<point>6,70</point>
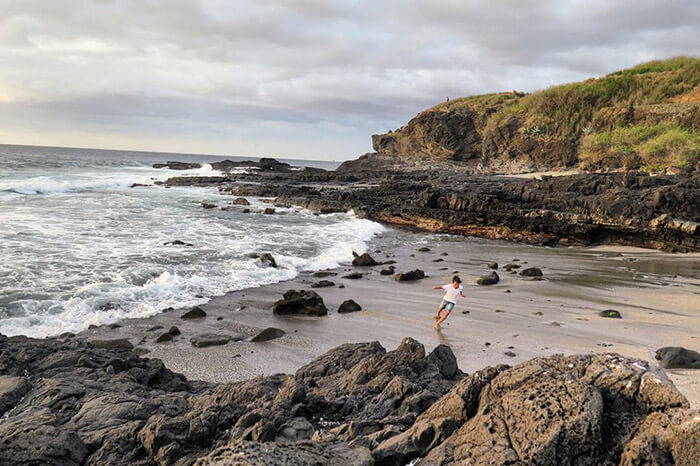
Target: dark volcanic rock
<point>322,284</point>
<point>268,334</point>
<point>209,339</point>
<point>120,343</point>
<point>364,260</point>
<point>266,260</point>
<point>531,272</point>
<point>490,279</point>
<point>300,302</point>
<point>410,276</point>
<point>175,165</point>
<point>194,313</point>
<point>610,314</point>
<point>240,201</point>
<point>356,404</point>
<point>349,306</point>
<point>678,357</point>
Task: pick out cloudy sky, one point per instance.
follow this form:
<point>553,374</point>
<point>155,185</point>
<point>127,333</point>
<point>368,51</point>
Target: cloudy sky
<point>297,78</point>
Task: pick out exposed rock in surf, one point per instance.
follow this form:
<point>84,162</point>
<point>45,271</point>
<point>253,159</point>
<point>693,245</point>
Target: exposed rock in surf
<point>493,265</point>
<point>175,165</point>
<point>364,260</point>
<point>322,284</point>
<point>353,276</point>
<point>240,201</point>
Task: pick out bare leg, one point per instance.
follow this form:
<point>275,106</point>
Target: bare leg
<point>437,316</point>
<point>441,320</point>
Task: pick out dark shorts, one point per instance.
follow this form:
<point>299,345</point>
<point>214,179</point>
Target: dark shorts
<point>447,306</point>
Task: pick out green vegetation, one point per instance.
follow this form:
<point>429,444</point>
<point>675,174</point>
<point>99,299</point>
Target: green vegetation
<point>605,117</point>
<point>652,147</point>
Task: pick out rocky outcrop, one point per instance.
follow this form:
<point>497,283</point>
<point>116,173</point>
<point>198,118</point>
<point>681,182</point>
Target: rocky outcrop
<point>175,165</point>
<point>356,404</point>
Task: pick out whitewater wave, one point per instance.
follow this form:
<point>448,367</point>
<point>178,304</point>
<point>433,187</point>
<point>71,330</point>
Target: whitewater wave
<point>145,290</point>
<point>107,179</point>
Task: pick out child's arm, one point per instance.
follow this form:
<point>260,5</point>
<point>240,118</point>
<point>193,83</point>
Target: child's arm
<point>437,287</point>
<point>462,294</point>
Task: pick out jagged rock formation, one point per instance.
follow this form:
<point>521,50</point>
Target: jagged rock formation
<point>72,403</point>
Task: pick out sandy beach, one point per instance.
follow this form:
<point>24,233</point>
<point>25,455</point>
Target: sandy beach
<point>658,295</point>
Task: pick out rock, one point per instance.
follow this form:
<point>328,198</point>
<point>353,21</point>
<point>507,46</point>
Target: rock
<point>322,284</point>
<point>174,331</point>
<point>268,334</point>
<point>324,273</point>
<point>493,265</point>
<point>672,357</point>
<point>266,260</point>
<point>12,389</point>
<point>140,351</point>
<point>413,275</point>
<point>304,302</point>
<point>175,165</point>
<point>209,339</point>
<point>269,211</point>
<point>116,344</point>
<point>611,314</point>
<point>349,306</point>
<point>207,205</point>
<point>490,279</point>
<point>364,260</point>
<point>245,211</point>
<point>531,272</point>
<point>353,276</point>
<point>164,337</point>
<point>510,267</point>
<point>510,354</point>
<point>114,326</point>
<point>177,242</point>
<point>194,313</point>
<point>154,328</point>
<point>240,201</point>
<point>388,271</point>
<point>424,249</point>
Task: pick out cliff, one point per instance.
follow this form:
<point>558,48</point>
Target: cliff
<point>646,117</point>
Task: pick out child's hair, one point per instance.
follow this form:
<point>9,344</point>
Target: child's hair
<point>456,279</point>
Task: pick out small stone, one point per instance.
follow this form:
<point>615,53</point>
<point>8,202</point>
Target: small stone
<point>510,354</point>
<point>424,249</point>
<point>610,314</point>
<point>493,265</point>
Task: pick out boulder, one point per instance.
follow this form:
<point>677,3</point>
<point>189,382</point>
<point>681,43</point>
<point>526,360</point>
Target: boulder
<point>174,331</point>
<point>12,389</point>
<point>269,211</point>
<point>240,201</point>
<point>493,265</point>
<point>490,279</point>
<point>364,260</point>
<point>209,339</point>
<point>353,276</point>
<point>413,275</point>
<point>266,260</point>
<point>672,357</point>
<point>164,337</point>
<point>349,306</point>
<point>268,334</point>
<point>388,271</point>
<point>424,249</point>
<point>531,272</point>
<point>304,302</point>
<point>194,313</point>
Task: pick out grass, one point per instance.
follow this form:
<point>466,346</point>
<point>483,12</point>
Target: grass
<point>652,147</point>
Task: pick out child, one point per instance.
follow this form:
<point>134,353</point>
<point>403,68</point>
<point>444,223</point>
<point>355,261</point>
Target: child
<point>453,292</point>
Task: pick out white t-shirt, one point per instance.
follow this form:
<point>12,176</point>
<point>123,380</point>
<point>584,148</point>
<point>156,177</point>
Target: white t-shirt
<point>452,293</point>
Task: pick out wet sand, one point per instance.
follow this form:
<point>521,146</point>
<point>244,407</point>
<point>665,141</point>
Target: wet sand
<point>657,293</point>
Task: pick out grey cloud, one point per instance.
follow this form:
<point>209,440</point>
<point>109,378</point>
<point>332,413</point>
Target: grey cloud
<point>283,71</point>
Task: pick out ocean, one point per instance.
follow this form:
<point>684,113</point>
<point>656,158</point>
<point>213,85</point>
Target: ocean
<point>80,247</point>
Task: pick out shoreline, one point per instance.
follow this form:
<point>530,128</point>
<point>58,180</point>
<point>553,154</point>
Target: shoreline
<point>657,311</point>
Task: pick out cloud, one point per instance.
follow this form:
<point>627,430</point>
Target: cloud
<point>302,77</point>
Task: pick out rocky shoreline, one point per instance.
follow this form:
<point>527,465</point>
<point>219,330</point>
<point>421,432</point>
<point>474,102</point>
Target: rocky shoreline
<point>633,208</point>
<point>71,401</point>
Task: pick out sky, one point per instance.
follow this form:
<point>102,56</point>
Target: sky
<point>308,79</point>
